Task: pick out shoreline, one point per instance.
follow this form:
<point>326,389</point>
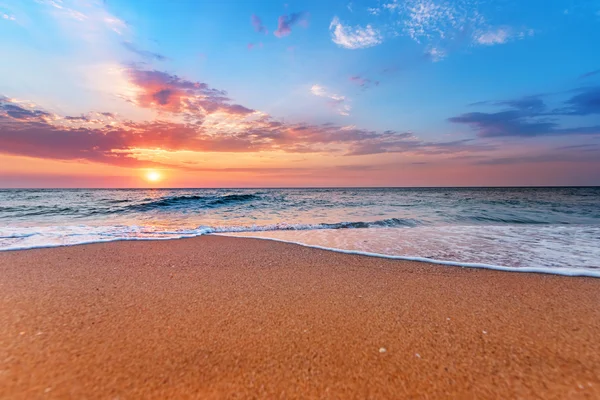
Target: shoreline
<point>566,272</point>
<point>216,316</point>
<point>569,272</point>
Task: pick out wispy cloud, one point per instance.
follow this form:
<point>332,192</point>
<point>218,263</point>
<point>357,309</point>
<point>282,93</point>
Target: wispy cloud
<point>54,3</point>
<point>115,24</point>
<point>67,10</point>
<point>354,37</point>
<point>580,153</point>
<point>258,24</point>
<point>434,19</point>
<point>338,102</point>
<point>501,36</point>
<point>442,24</point>
<point>88,16</point>
<point>144,53</point>
<point>498,36</point>
<point>362,81</point>
<point>286,22</point>
<point>318,90</point>
<point>590,74</point>
<point>436,54</point>
<point>7,17</point>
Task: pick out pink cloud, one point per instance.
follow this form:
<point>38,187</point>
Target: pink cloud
<point>29,132</point>
<point>363,82</point>
<point>286,22</point>
<point>201,119</point>
<point>169,93</point>
<point>258,25</point>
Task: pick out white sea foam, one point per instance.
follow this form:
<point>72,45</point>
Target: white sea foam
<point>562,250</point>
<point>548,248</point>
<point>564,271</point>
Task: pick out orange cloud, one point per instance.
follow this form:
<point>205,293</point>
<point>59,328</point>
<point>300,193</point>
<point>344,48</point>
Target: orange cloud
<point>169,93</point>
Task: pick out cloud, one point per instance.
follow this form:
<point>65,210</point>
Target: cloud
<point>529,116</point>
<point>585,102</point>
<point>18,112</point>
<point>579,153</point>
<point>65,10</point>
<point>584,147</point>
<point>85,19</point>
<point>286,22</point>
<point>363,82</point>
<point>435,20</point>
<point>435,54</point>
<point>8,17</point>
<point>169,93</point>
<point>504,123</point>
<point>101,137</point>
<point>590,74</point>
<point>144,53</point>
<point>529,104</point>
<point>439,23</point>
<point>258,25</point>
<point>318,90</point>
<point>498,36</point>
<point>354,37</point>
<point>337,101</point>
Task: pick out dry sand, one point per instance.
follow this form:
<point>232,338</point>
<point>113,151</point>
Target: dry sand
<point>216,317</point>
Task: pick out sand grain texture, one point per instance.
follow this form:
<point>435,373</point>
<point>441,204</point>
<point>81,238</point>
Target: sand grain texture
<point>216,317</point>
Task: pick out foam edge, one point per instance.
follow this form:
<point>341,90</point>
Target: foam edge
<point>572,272</point>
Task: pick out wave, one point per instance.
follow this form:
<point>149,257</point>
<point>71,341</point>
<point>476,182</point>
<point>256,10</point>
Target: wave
<point>234,198</point>
<point>205,201</point>
<point>37,211</point>
<point>386,223</point>
<point>507,220</point>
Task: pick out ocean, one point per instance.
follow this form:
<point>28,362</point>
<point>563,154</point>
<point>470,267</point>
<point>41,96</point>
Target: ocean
<point>551,230</point>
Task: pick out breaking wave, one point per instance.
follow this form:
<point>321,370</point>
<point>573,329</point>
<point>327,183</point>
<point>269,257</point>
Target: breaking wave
<point>186,201</point>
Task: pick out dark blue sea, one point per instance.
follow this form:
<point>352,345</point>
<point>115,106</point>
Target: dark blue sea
<point>554,230</point>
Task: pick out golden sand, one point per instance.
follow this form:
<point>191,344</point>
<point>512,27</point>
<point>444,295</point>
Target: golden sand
<point>216,317</point>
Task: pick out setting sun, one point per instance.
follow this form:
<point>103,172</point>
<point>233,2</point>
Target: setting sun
<point>153,176</point>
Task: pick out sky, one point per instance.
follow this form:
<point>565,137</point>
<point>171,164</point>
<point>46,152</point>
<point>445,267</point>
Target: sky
<point>192,93</point>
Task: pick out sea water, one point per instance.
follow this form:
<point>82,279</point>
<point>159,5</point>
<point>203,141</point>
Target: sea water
<point>554,230</point>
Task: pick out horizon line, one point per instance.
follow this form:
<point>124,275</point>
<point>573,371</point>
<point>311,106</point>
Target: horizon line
<point>304,187</point>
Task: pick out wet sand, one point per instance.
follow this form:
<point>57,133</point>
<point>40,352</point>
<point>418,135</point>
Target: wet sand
<point>216,317</point>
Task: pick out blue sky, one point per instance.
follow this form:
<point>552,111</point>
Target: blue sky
<point>489,89</point>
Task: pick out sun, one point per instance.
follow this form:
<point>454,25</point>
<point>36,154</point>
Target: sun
<point>153,176</point>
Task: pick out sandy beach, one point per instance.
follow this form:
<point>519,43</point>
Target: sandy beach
<point>217,317</point>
